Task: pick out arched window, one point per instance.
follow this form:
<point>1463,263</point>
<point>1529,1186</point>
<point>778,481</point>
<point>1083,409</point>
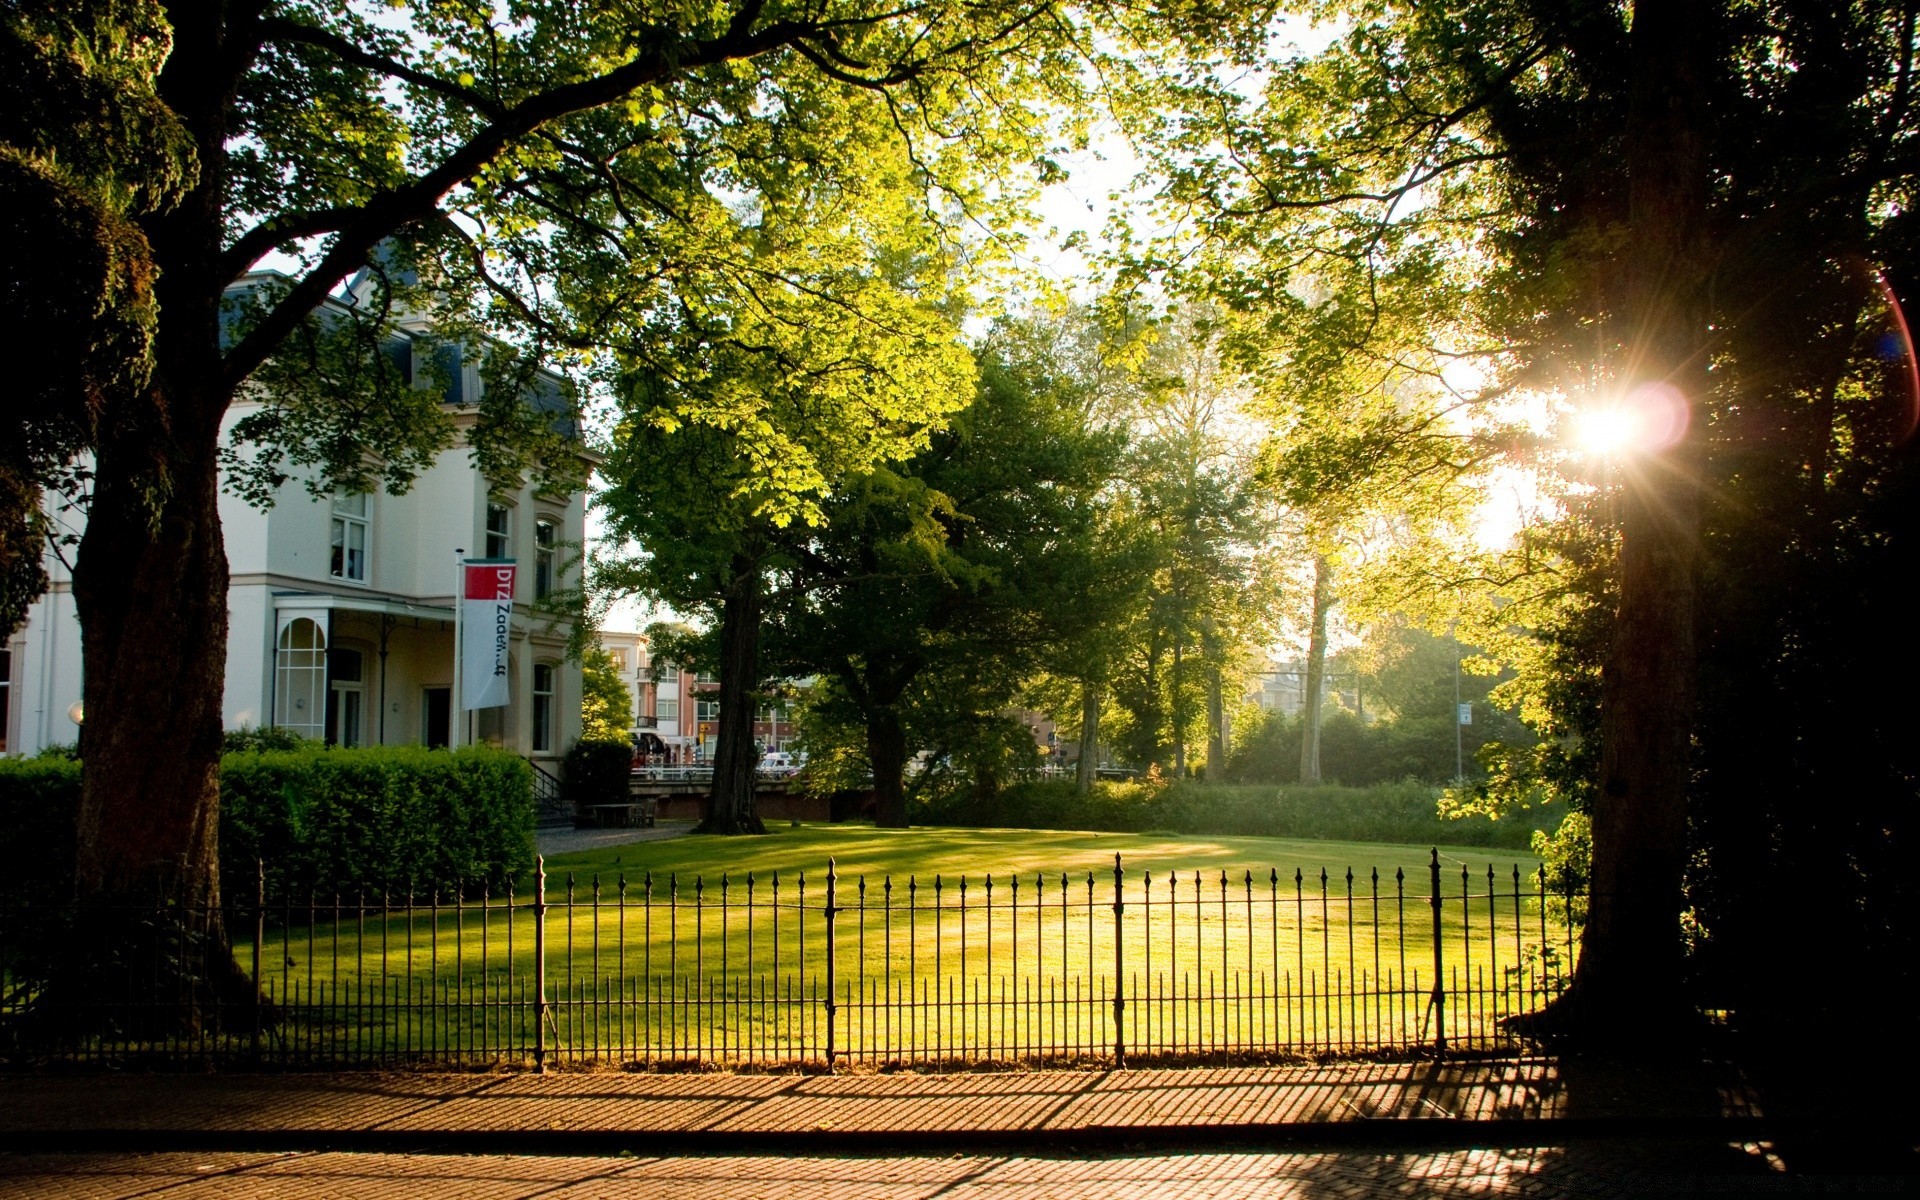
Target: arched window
<point>300,679</point>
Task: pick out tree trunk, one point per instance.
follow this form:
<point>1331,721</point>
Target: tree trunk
<point>730,805</point>
<point>1089,737</point>
<point>1179,714</point>
<point>1629,986</point>
<point>887,752</point>
<point>1216,723</point>
<point>151,594</point>
<point>1310,706</point>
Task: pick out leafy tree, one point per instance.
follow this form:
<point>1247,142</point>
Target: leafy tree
<point>606,706</point>
<point>1598,204</point>
<point>1201,530</point>
<point>568,140</point>
<point>86,148</point>
<point>950,568</point>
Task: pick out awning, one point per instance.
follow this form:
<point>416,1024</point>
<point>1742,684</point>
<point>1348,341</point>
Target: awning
<point>385,605</point>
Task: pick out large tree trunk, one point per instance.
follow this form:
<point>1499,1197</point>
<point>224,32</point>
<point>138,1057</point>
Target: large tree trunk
<point>730,805</point>
<point>151,593</point>
<point>1629,987</point>
<point>150,588</point>
<point>1089,737</point>
<point>887,752</point>
<point>1310,706</point>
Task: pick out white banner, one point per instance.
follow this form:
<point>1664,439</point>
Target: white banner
<point>486,620</point>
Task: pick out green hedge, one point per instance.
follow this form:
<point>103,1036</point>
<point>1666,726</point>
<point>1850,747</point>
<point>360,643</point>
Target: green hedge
<point>1390,812</point>
<point>38,797</point>
<point>326,819</point>
<point>343,820</point>
<point>598,771</point>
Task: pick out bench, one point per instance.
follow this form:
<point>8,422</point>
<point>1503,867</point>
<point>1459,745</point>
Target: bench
<point>625,814</point>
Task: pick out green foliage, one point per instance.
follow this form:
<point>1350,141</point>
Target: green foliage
<point>931,592</point>
<point>597,771</point>
<point>386,816</point>
<point>606,706</point>
<point>86,147</point>
<point>250,738</point>
<point>38,799</point>
<point>1392,812</point>
<point>326,819</point>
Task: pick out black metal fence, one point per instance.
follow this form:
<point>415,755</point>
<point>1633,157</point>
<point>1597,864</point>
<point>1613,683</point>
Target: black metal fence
<point>821,967</point>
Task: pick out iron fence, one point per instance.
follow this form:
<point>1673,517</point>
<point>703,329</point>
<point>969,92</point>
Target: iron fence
<point>1105,965</point>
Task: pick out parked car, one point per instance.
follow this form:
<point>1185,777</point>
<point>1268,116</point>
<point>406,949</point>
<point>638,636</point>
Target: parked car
<point>780,764</point>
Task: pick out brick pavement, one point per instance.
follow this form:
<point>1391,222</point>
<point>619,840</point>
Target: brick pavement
<point>689,1111</point>
<point>1592,1169</point>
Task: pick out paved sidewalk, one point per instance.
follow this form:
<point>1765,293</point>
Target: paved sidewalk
<point>568,841</point>
<point>1513,1102</point>
<point>1590,1170</point>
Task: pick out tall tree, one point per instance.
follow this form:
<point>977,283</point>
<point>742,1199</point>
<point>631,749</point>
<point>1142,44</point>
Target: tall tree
<point>321,132</point>
<point>1456,207</point>
<point>960,563</point>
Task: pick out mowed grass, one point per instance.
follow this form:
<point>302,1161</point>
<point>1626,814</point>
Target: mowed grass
<point>922,854</point>
<point>976,943</point>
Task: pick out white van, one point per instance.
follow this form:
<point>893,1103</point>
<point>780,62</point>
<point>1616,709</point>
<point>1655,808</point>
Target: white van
<point>778,763</point>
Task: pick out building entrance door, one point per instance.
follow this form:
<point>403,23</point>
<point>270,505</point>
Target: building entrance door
<point>436,720</point>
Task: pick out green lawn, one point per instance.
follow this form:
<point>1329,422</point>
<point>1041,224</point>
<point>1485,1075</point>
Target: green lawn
<point>951,853</point>
<point>708,947</point>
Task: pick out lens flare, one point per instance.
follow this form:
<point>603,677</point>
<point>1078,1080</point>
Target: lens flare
<point>1651,418</point>
<point>1898,344</point>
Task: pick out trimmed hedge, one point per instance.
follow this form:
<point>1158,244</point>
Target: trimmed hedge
<point>1390,812</point>
<point>598,771</point>
<point>38,797</point>
<point>326,819</point>
<point>343,820</point>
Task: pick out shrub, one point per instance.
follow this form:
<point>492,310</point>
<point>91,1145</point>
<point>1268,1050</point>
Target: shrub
<point>597,771</point>
<point>265,737</point>
<point>38,799</point>
<point>346,820</point>
<point>330,820</point>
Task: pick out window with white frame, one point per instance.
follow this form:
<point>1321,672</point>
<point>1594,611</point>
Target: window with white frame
<point>350,537</point>
<point>300,679</point>
<point>706,710</point>
<point>499,531</point>
<point>666,708</point>
<point>543,561</point>
<point>543,707</point>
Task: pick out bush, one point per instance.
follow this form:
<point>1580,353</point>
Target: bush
<point>38,799</point>
<point>1395,812</point>
<point>266,737</point>
<point>598,771</point>
<point>345,820</point>
<point>329,820</point>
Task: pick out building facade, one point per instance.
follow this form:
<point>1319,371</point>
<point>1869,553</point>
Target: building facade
<point>341,613</point>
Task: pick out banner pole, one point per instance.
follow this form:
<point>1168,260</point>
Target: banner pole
<point>456,713</point>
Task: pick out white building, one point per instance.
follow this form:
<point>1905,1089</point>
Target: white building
<point>341,614</point>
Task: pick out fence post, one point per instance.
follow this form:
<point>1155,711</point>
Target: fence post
<point>259,935</point>
<point>832,876</point>
<point>1119,972</point>
<point>540,964</point>
<point>1438,1003</point>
